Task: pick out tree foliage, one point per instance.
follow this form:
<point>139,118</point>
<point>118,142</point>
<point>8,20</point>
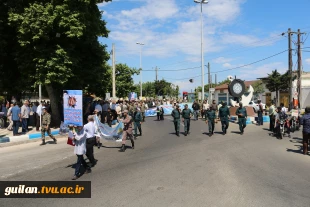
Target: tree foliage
<point>277,82</point>
<point>258,88</point>
<point>56,45</point>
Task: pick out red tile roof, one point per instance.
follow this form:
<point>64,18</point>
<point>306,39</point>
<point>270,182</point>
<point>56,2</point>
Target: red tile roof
<point>225,86</point>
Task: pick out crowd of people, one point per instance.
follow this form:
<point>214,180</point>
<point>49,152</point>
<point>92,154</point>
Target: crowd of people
<point>132,114</point>
<point>24,115</point>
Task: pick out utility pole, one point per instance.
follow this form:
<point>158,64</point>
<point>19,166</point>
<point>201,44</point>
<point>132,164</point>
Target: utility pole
<point>215,82</point>
<point>156,69</point>
<point>209,81</point>
<point>299,68</point>
<point>113,71</point>
<point>290,67</point>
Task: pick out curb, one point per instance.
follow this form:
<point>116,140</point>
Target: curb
<point>23,138</point>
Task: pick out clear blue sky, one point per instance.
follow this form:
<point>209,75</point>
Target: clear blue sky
<point>236,33</point>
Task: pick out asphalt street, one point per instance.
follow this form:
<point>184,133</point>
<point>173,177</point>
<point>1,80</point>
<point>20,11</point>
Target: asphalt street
<point>253,169</point>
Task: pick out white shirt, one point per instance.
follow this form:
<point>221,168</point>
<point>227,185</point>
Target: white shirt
<point>10,112</point>
<point>39,110</point>
<point>206,106</point>
<point>24,112</point>
<point>90,129</point>
<point>29,110</point>
<point>80,142</point>
<point>284,109</point>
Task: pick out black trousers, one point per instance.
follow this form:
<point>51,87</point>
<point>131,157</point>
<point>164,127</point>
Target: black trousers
<point>90,142</point>
<point>272,121</point>
<point>37,122</point>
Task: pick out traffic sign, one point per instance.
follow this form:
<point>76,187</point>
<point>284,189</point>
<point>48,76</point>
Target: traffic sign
<point>212,90</point>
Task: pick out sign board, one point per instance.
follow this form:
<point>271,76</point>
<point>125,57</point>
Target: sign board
<point>199,95</point>
<point>132,96</point>
<point>212,90</point>
<point>295,95</point>
<point>73,107</point>
<point>107,96</point>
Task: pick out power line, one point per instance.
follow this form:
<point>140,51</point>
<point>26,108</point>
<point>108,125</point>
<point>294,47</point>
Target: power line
<point>242,66</point>
<point>177,69</point>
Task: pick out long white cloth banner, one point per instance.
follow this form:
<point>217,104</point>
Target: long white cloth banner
<point>107,133</point>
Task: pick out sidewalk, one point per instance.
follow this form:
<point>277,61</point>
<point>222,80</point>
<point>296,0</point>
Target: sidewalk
<point>6,136</point>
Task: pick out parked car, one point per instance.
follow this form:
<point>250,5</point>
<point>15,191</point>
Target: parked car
<point>255,105</point>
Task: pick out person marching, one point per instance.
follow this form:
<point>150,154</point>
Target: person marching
<point>242,117</point>
<point>162,113</point>
<point>46,121</point>
<point>127,131</point>
<point>305,121</point>
<point>186,118</point>
<point>158,114</point>
<point>210,117</point>
<point>79,141</point>
<point>176,114</point>
<point>224,115</point>
<point>137,118</point>
<point>90,130</point>
<point>143,108</point>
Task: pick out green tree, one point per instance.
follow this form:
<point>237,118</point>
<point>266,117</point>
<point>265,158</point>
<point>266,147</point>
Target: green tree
<point>258,88</point>
<point>59,45</point>
<point>226,81</point>
<point>277,82</point>
<point>124,80</point>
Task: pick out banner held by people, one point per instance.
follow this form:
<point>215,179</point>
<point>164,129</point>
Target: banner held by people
<point>73,107</point>
<point>108,133</point>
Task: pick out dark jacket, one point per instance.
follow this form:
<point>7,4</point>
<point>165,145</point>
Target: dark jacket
<point>224,112</point>
<point>211,114</point>
<point>196,106</point>
<point>137,116</point>
<point>305,121</point>
<point>241,111</point>
<point>176,114</point>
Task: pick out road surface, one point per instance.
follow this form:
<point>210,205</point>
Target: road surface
<point>253,169</point>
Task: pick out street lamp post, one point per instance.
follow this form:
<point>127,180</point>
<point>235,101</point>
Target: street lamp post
<point>141,44</point>
<point>202,54</point>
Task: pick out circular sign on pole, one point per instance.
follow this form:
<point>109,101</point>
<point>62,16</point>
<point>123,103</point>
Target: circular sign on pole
<point>236,88</point>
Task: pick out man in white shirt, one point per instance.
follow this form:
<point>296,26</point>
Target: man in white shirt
<point>283,109</point>
<point>90,130</point>
<point>205,108</point>
<point>38,115</point>
<point>10,118</point>
<point>25,116</point>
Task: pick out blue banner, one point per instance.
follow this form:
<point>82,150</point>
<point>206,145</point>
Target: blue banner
<point>73,107</point>
<point>167,109</point>
<point>108,133</point>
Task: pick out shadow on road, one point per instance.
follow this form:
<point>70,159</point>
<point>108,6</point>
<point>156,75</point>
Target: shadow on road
<point>296,140</point>
<point>299,151</point>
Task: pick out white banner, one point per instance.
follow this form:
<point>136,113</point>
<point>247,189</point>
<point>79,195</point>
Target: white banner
<point>108,133</point>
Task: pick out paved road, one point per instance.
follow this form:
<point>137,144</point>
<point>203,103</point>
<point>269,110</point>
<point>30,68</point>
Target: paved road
<point>164,170</point>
